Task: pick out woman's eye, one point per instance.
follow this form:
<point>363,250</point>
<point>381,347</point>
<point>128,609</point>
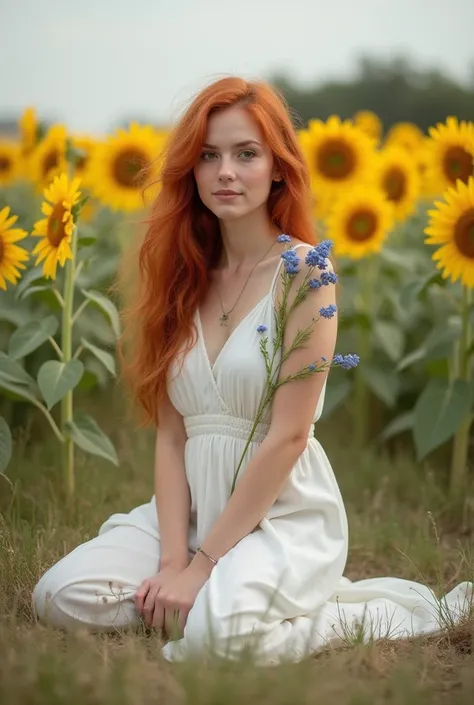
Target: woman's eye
<point>206,156</point>
<point>248,153</point>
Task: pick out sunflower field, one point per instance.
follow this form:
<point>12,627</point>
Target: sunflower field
<point>399,207</point>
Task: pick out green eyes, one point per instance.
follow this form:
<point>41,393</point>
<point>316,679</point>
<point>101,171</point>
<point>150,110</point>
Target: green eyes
<point>248,155</point>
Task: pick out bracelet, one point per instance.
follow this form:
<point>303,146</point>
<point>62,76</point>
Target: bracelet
<point>200,550</point>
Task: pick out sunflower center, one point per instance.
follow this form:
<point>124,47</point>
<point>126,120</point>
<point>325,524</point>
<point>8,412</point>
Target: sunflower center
<point>129,168</point>
<point>394,184</point>
<point>55,231</point>
<point>464,234</point>
<point>5,164</point>
<point>361,225</point>
<point>335,159</point>
<point>50,161</point>
<point>458,164</point>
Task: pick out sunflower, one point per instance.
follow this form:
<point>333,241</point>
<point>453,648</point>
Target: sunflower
<point>360,221</point>
<point>406,135</point>
<point>29,130</point>
<point>370,123</point>
<point>57,228</point>
<point>48,159</point>
<point>121,166</point>
<point>451,226</point>
<point>451,153</point>
<point>10,162</point>
<point>338,153</point>
<point>397,174</point>
<point>12,257</point>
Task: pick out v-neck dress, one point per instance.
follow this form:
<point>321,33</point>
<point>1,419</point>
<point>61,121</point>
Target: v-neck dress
<point>280,591</point>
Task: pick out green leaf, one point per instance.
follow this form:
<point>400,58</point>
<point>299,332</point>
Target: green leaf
<point>56,378</point>
<point>104,357</point>
<point>30,336</point>
<point>32,275</point>
<point>383,383</point>
<point>412,290</point>
<point>390,339</point>
<point>106,306</point>
<point>14,371</point>
<point>35,290</point>
<point>16,391</point>
<point>86,434</point>
<point>439,411</point>
<point>5,445</point>
<point>336,393</point>
<point>438,344</point>
<point>403,422</point>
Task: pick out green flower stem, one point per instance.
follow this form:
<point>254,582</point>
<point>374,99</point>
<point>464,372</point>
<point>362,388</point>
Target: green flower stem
<point>272,375</point>
<point>367,278</point>
<point>56,347</point>
<point>58,296</point>
<point>66,345</point>
<point>80,348</point>
<point>50,419</point>
<point>78,270</point>
<point>79,311</point>
<point>461,439</point>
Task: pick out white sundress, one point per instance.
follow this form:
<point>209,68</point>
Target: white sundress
<point>280,590</point>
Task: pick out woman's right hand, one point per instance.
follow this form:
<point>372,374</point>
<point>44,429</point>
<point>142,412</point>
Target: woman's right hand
<point>145,597</point>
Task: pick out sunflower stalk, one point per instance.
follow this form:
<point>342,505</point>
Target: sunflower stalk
<point>462,362</point>
<point>66,346</point>
<point>366,283</point>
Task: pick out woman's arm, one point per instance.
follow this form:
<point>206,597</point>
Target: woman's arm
<point>292,411</point>
<point>171,488</point>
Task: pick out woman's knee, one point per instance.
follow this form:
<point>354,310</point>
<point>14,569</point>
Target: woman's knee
<point>66,600</point>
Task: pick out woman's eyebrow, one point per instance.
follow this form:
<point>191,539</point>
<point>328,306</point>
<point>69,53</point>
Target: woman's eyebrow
<point>238,144</point>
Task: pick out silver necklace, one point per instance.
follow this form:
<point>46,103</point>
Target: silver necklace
<point>224,319</point>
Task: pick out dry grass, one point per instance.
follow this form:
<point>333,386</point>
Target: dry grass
<point>392,533</point>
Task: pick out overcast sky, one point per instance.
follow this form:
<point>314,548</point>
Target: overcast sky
<point>90,63</point>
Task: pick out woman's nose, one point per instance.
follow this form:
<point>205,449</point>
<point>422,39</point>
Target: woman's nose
<point>226,171</point>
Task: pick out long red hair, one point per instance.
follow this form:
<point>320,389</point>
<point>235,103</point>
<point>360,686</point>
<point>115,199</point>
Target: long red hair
<point>182,240</point>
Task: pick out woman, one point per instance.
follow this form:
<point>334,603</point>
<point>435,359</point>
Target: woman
<point>260,567</point>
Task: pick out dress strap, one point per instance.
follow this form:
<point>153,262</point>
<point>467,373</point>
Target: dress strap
<point>295,247</point>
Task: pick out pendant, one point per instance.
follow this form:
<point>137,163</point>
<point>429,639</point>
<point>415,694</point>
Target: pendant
<point>224,319</point>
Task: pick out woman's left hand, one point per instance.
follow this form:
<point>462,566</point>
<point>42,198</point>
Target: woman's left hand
<point>178,596</point>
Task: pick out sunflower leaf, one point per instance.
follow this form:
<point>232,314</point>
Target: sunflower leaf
<point>86,434</point>
<point>102,355</point>
<point>32,275</point>
<point>14,371</point>
<point>5,445</point>
<point>56,378</point>
<point>30,336</point>
<point>16,391</point>
<point>402,422</point>
<point>439,411</point>
<point>106,306</point>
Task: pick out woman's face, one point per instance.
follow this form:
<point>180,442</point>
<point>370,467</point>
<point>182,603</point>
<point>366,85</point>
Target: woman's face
<point>236,167</point>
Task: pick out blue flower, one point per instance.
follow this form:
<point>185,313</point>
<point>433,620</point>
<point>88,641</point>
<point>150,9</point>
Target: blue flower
<point>347,362</point>
<point>324,359</point>
<point>312,367</point>
<point>283,238</point>
<point>317,256</point>
<point>328,312</point>
<point>291,261</point>
<point>315,284</point>
<point>262,329</point>
<point>328,278</point>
